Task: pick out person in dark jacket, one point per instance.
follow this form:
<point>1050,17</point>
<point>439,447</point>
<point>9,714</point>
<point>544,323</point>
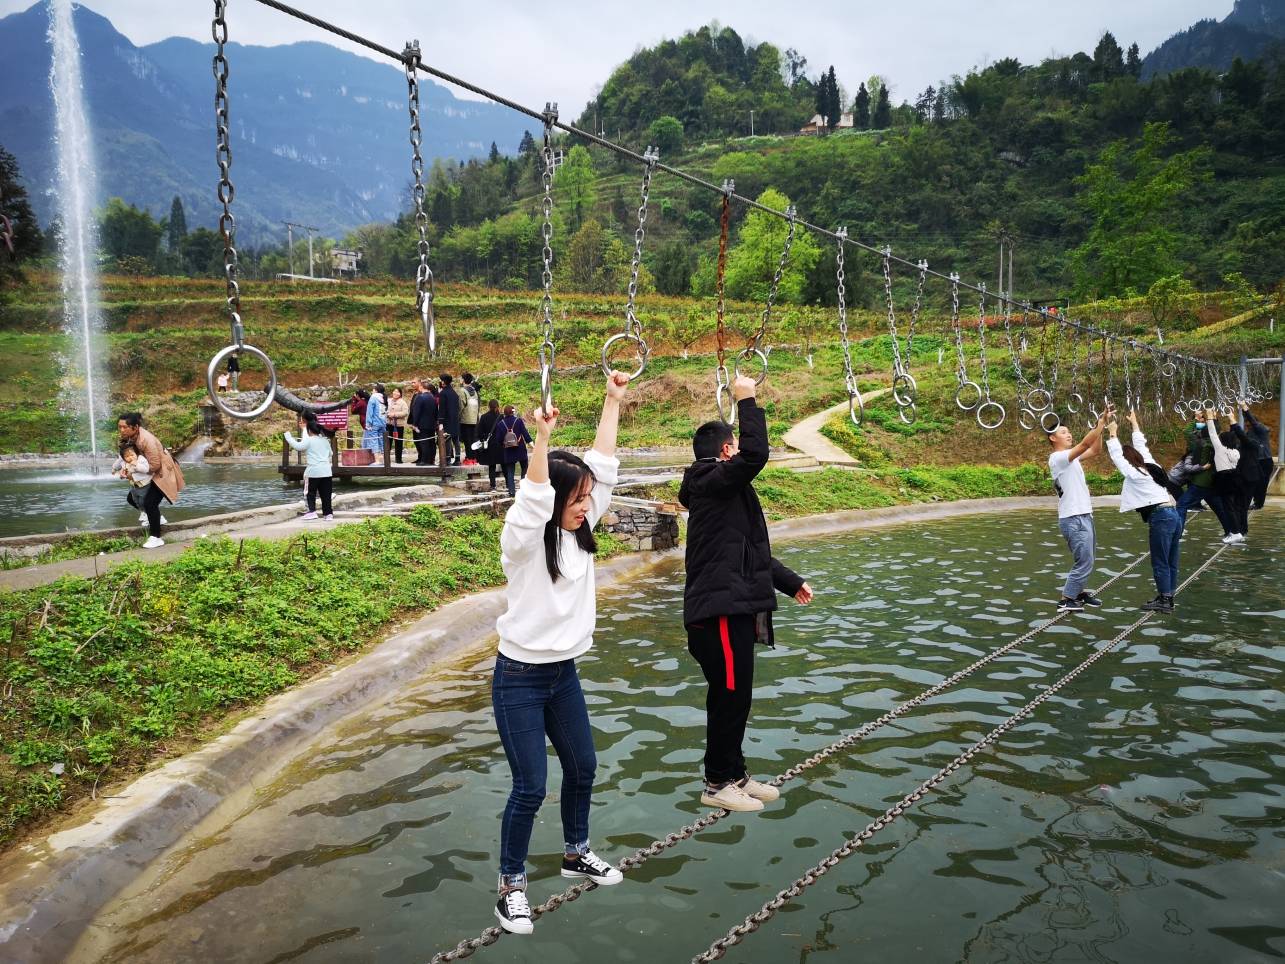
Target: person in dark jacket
<point>489,453</point>
<point>357,407</point>
<point>1201,487</point>
<point>448,416</point>
<point>510,438</point>
<point>732,581</point>
<point>1257,431</point>
<point>423,423</point>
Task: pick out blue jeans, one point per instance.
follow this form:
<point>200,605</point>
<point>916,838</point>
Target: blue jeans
<point>1082,541</point>
<point>1166,542</point>
<point>1194,495</point>
<point>532,701</point>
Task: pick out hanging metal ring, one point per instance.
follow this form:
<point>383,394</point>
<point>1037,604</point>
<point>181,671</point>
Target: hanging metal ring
<point>625,336</point>
<point>1039,400</point>
<point>747,354</point>
<point>904,388</point>
<point>429,321</point>
<point>211,373</point>
<point>1052,427</point>
<point>1025,418</point>
<point>546,377</point>
<point>1074,402</point>
<point>989,406</point>
<point>1168,369</point>
<point>723,399</point>
<point>907,413</point>
<point>856,407</point>
<point>964,387</point>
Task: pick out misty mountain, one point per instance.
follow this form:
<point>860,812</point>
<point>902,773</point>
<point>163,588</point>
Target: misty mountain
<point>1252,27</point>
<point>320,135</point>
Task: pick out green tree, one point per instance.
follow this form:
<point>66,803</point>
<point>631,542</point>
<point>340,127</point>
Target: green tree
<point>127,232</point>
<point>203,253</point>
<point>583,263</point>
<point>574,185</point>
<point>861,109</point>
<point>1244,83</point>
<point>753,261</point>
<point>882,119</point>
<point>1108,58</point>
<point>685,329</point>
<point>1132,194</point>
<point>176,227</point>
<point>1133,62</point>
<point>666,133</point>
<point>673,269</point>
<point>1169,299</point>
<point>14,205</point>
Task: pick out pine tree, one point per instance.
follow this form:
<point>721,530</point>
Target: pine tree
<point>176,227</point>
<point>527,144</point>
<point>1108,58</point>
<point>494,156</point>
<point>834,108</point>
<point>27,239</point>
<point>821,98</point>
<point>924,103</point>
<point>861,109</point>
<point>883,111</point>
<point>1133,63</point>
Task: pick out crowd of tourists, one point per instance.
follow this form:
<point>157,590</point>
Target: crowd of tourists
<point>1228,470</point>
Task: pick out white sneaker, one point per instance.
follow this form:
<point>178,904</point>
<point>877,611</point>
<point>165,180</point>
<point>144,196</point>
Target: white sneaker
<point>760,791</point>
<point>329,518</point>
<point>308,517</point>
<point>142,518</point>
<point>1238,537</point>
<point>592,866</point>
<point>153,542</point>
<point>1229,539</point>
<point>731,797</point>
<point>514,912</point>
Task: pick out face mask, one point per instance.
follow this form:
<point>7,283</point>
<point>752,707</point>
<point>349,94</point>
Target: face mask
<point>1200,426</point>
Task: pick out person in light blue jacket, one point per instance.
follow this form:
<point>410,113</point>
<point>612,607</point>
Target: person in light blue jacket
<point>376,422</point>
<point>315,443</point>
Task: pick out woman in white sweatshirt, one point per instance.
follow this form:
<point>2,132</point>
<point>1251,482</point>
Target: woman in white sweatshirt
<point>546,550</point>
<point>1147,490</point>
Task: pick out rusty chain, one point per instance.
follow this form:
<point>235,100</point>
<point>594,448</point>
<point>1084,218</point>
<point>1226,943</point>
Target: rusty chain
<point>769,909</point>
<point>490,935</point>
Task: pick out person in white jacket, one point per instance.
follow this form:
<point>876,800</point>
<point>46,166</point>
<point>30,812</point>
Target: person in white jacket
<point>546,551</point>
<point>1148,491</point>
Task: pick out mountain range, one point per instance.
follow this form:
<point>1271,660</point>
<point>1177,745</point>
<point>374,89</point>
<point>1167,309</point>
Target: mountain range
<point>1247,32</point>
<point>320,135</point>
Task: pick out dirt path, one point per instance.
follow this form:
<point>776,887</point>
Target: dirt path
<point>807,438</point>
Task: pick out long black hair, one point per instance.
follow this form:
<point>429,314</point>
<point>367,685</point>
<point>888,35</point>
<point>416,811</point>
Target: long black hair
<point>567,473</point>
<point>1158,475</point>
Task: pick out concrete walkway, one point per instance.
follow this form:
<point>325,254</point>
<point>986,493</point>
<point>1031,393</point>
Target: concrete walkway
<point>807,438</point>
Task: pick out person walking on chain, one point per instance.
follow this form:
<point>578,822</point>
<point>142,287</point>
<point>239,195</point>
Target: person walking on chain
<point>423,423</point>
<point>1228,481</point>
<point>167,477</point>
<point>1075,508</point>
<point>470,411</point>
<point>1257,431</point>
<point>1148,491</point>
<point>732,581</point>
<point>546,551</point>
<point>318,473</point>
<point>1200,488</point>
<point>448,416</point>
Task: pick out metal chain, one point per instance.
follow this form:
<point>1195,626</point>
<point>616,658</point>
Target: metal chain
<point>227,229</point>
<point>981,343</point>
<point>856,408</point>
<point>961,365</point>
<point>1128,375</point>
<point>897,366</point>
<point>914,313</point>
<point>755,343</point>
<point>633,327</point>
<point>722,377</point>
<point>547,352</point>
<point>754,921</point>
<point>639,857</point>
<point>423,273</point>
<point>1022,383</point>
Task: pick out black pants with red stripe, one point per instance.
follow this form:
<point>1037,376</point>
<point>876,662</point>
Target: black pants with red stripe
<point>724,647</point>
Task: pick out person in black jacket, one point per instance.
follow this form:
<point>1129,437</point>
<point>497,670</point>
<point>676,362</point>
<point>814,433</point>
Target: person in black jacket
<point>423,423</point>
<point>489,454</point>
<point>448,416</point>
<point>1257,431</point>
<point>732,581</point>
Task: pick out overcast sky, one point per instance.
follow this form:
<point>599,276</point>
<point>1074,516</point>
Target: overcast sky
<point>538,50</point>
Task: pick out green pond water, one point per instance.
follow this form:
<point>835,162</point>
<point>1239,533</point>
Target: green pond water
<point>1137,817</point>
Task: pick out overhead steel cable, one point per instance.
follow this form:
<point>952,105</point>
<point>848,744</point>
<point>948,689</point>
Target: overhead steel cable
<point>644,160</point>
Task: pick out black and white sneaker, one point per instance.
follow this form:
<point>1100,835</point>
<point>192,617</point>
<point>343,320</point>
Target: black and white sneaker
<point>1088,599</point>
<point>514,912</point>
<point>590,865</point>
<point>1068,605</point>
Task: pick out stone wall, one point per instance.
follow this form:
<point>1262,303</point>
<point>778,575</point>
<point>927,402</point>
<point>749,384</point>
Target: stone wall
<point>642,527</point>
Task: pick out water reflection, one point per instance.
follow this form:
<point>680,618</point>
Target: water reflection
<point>1137,817</point>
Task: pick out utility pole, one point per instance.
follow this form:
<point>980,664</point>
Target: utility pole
<point>751,122</point>
<point>1005,250</point>
<point>290,226</point>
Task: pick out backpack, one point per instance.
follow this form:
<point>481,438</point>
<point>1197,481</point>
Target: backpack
<point>510,437</point>
<point>472,402</point>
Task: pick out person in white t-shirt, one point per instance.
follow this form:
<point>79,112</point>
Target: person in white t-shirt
<point>546,551</point>
<point>1075,508</point>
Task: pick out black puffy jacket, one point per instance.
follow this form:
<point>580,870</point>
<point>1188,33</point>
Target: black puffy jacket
<point>730,569</point>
